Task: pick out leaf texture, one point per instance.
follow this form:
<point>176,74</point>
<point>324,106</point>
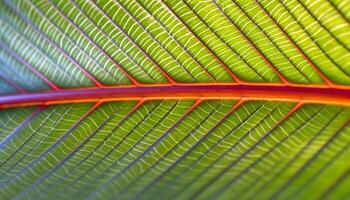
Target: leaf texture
<point>163,99</point>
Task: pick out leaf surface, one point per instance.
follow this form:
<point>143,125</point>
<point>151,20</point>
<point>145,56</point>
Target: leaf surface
<point>143,99</point>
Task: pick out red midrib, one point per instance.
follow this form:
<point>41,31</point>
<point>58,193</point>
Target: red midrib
<point>274,92</point>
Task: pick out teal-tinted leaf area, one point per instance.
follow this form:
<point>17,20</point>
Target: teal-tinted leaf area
<point>182,135</point>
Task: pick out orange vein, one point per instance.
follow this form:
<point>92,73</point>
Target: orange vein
<point>271,92</point>
<point>205,46</point>
<point>132,79</point>
<point>14,55</point>
<point>161,70</point>
<point>257,50</point>
<point>324,78</point>
<point>51,42</point>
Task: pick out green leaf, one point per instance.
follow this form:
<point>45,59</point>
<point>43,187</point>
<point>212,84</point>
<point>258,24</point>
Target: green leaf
<point>193,99</point>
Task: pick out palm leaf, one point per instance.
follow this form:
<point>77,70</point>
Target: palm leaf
<point>193,99</point>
